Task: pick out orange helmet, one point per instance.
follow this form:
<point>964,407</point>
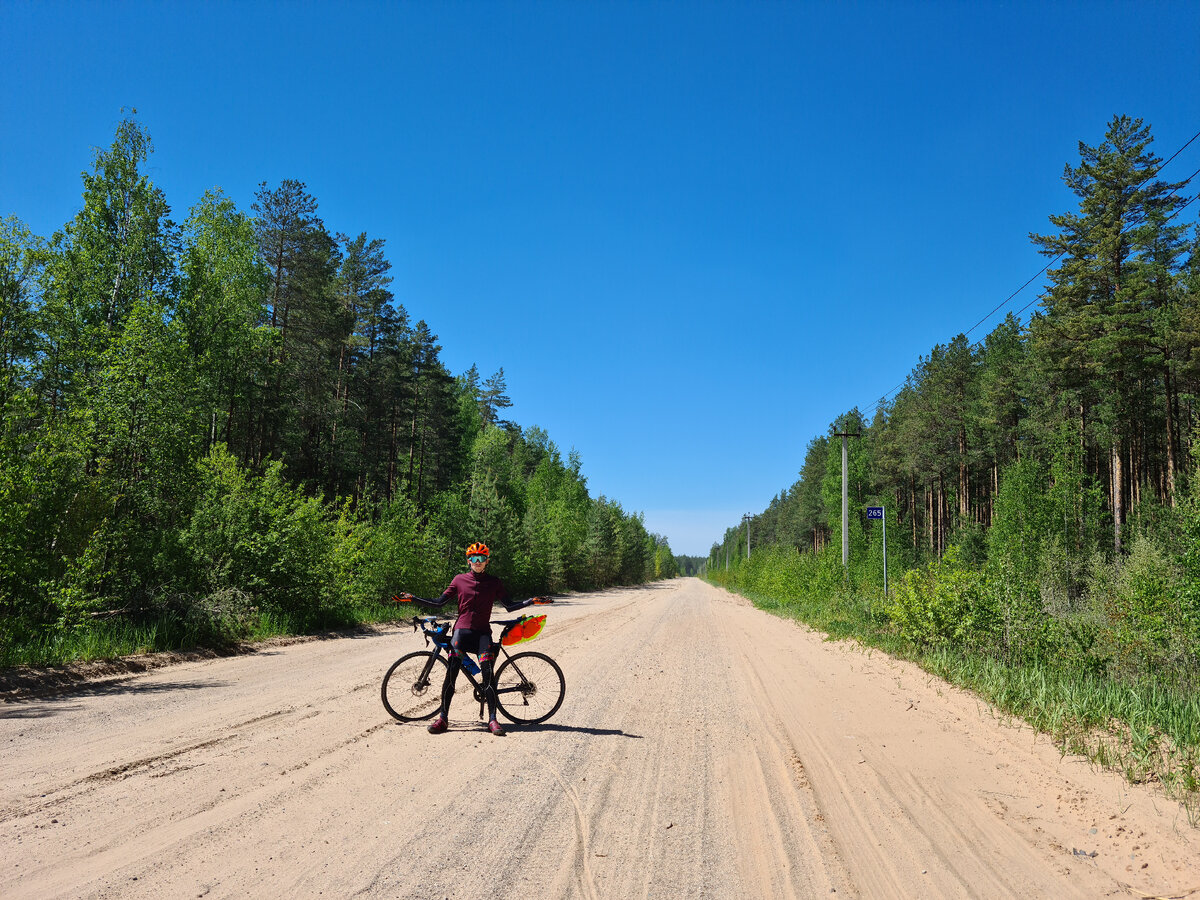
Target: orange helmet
<point>478,549</point>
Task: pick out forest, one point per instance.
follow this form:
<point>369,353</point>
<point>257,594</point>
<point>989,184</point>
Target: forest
<point>229,427</point>
<point>690,565</point>
<point>1040,486</point>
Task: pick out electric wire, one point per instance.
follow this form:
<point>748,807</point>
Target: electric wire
<point>1167,219</point>
<point>1061,255</point>
<point>883,399</point>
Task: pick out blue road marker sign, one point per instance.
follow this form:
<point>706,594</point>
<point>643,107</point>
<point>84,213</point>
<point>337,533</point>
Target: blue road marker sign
<point>874,512</point>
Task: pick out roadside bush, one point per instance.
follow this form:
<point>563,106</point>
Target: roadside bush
<point>1139,600</point>
<point>937,605</point>
<point>260,536</point>
<point>1189,581</point>
<point>374,560</point>
<point>1022,521</point>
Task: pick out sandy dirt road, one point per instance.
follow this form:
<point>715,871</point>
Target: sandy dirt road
<point>705,750</point>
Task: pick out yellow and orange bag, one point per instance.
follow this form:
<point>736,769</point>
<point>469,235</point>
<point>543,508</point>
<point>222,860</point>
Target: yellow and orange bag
<point>524,629</point>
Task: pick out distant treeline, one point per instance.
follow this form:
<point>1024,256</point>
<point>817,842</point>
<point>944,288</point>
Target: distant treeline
<point>1040,486</point>
<point>232,418</point>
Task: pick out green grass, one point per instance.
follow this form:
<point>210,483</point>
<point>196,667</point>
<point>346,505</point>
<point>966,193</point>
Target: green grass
<point>117,637</point>
<point>107,640</point>
<point>1146,730</point>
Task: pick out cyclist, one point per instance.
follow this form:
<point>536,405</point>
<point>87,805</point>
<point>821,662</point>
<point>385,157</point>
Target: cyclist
<point>476,591</point>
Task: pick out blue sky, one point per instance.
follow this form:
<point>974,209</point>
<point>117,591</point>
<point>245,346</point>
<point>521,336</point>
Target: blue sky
<point>692,234</point>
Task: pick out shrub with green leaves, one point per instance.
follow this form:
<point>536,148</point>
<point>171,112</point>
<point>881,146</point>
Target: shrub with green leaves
<point>1140,602</point>
<point>260,535</point>
<point>938,605</point>
<point>375,559</point>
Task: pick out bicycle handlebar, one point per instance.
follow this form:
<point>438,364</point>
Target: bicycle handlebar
<point>426,622</point>
<point>416,621</point>
<point>406,597</point>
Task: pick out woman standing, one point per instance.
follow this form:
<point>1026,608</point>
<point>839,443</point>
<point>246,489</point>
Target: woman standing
<point>476,592</point>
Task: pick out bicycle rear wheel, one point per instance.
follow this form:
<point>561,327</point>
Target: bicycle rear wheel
<point>530,687</point>
<point>412,687</point>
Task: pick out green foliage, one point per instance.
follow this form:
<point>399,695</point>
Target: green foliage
<point>665,565</point>
<point>811,586</point>
<point>86,585</point>
<point>232,429</point>
<point>259,535</point>
<point>943,604</point>
<point>21,257</point>
<point>1023,521</point>
<point>1189,573</point>
<point>373,557</point>
<point>219,312</point>
<point>1138,602</point>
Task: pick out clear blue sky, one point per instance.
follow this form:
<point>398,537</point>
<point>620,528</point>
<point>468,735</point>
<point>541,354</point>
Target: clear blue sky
<point>692,234</point>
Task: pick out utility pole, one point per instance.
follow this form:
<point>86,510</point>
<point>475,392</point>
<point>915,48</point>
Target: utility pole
<point>746,519</point>
<point>844,435</point>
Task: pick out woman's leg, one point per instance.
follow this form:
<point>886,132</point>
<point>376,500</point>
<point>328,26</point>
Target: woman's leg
<point>453,664</point>
<point>487,662</point>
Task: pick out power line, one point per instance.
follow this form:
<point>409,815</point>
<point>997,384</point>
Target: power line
<point>1168,219</point>
<point>1173,155</point>
<point>1047,266</point>
<point>1061,255</point>
<point>1006,300</point>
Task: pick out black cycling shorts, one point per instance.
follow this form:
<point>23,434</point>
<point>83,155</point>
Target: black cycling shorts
<point>468,640</point>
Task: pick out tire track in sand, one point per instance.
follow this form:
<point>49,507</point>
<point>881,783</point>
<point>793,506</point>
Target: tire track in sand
<point>582,842</point>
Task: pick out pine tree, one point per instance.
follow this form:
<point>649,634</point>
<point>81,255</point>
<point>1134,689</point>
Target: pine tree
<point>363,290</point>
<point>309,325</point>
<point>492,399</point>
<point>1096,325</point>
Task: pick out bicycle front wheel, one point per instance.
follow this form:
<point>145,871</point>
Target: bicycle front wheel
<point>412,687</point>
<point>530,688</point>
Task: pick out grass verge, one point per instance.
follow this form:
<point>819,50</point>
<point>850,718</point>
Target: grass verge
<point>166,631</point>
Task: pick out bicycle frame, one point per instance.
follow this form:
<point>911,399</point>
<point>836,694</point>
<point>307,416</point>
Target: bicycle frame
<point>441,642</point>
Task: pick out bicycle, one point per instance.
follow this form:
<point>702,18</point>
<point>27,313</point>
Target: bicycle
<point>530,682</point>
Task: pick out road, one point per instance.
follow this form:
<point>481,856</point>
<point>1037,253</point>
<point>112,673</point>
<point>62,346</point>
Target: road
<point>705,750</point>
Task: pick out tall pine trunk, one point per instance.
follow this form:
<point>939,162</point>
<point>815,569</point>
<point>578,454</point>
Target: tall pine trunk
<point>964,480</point>
<point>1118,476</point>
<point>1171,449</point>
<point>912,506</point>
<point>393,453</point>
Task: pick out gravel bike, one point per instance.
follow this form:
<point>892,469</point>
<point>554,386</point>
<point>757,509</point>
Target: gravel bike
<point>529,685</point>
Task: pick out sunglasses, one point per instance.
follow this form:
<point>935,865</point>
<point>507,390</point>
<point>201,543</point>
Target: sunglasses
<point>477,559</point>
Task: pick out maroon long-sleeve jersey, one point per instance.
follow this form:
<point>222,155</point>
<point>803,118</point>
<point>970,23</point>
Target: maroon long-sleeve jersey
<point>475,595</point>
